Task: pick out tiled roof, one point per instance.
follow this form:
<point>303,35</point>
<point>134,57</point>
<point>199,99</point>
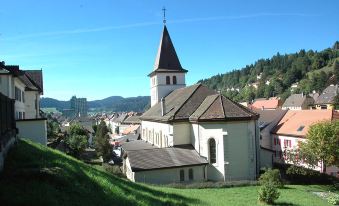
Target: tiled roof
<point>36,77</point>
<point>266,104</point>
<point>130,129</point>
<point>296,100</point>
<point>296,123</point>
<point>179,104</point>
<point>268,117</point>
<point>217,107</point>
<point>160,158</point>
<point>132,120</point>
<point>137,145</point>
<point>167,59</point>
<point>327,97</point>
<point>27,82</point>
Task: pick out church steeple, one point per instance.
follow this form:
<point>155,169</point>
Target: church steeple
<point>168,74</point>
<point>166,59</point>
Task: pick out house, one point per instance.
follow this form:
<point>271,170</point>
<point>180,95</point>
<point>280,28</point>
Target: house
<point>25,87</point>
<point>326,98</point>
<point>267,121</point>
<point>8,129</point>
<point>292,129</point>
<point>266,104</point>
<point>298,102</point>
<point>191,133</point>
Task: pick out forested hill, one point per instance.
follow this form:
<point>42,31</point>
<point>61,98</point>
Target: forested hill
<point>113,103</point>
<point>310,70</point>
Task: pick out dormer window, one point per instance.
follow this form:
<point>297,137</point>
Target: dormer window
<point>168,80</point>
<point>301,128</point>
<point>174,80</point>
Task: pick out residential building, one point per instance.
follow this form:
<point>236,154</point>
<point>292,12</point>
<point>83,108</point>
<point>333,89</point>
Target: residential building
<point>25,87</point>
<point>191,133</point>
<point>292,129</point>
<point>298,102</point>
<point>326,98</point>
<point>266,104</point>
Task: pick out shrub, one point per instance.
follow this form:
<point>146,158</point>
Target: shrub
<point>271,177</point>
<point>268,193</point>
<point>333,198</point>
<point>300,175</point>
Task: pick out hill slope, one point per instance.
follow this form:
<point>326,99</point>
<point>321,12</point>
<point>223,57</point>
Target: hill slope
<point>274,77</point>
<point>113,103</point>
<point>37,175</point>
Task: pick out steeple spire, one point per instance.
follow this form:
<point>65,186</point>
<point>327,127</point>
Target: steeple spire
<point>164,11</point>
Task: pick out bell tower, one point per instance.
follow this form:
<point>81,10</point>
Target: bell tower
<point>167,74</point>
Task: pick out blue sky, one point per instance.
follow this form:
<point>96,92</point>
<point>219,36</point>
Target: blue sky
<point>102,48</point>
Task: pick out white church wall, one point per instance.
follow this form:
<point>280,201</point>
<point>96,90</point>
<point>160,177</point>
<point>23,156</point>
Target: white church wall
<point>181,133</point>
<point>159,134</point>
<point>235,147</point>
<point>171,175</point>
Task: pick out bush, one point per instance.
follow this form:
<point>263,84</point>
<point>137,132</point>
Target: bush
<point>268,193</point>
<point>333,198</point>
<point>270,181</point>
<point>300,175</point>
<point>271,177</point>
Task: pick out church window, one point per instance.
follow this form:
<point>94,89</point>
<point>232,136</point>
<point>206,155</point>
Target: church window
<point>212,151</point>
<point>168,80</point>
<point>190,174</point>
<point>174,80</point>
<point>182,175</point>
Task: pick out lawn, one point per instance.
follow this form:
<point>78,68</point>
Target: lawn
<point>37,175</point>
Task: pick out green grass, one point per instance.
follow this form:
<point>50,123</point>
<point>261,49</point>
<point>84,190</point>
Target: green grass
<point>71,182</point>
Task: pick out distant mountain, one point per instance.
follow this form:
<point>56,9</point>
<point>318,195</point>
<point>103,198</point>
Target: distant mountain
<point>113,103</point>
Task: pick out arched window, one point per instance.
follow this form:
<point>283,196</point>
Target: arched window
<point>212,150</point>
<point>168,80</point>
<point>174,80</point>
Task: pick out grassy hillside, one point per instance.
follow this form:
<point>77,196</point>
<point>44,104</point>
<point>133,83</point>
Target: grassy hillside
<point>37,175</point>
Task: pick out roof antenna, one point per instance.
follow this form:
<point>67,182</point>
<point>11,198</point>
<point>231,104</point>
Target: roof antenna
<point>164,11</point>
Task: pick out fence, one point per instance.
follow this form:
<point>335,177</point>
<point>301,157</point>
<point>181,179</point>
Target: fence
<point>7,118</point>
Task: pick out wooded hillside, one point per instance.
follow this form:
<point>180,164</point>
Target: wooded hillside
<point>305,70</point>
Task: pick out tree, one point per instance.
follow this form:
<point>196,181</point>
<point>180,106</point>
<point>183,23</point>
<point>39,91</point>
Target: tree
<point>77,144</point>
<point>102,145</point>
<point>77,139</point>
<point>322,144</point>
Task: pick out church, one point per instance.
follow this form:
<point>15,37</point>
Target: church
<point>190,133</point>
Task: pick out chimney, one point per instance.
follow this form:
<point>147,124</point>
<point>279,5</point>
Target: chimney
<point>163,106</point>
<point>262,108</point>
<point>302,94</point>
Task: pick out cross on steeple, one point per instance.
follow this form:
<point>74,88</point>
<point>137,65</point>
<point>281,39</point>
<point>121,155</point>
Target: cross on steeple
<point>164,11</point>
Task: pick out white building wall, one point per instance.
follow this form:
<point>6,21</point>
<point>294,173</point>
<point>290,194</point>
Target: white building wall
<point>35,130</point>
<point>280,150</point>
<point>167,176</point>
<point>6,85</point>
<point>159,134</point>
<point>32,104</point>
<point>181,133</point>
<point>236,150</point>
<point>19,106</point>
<point>160,89</point>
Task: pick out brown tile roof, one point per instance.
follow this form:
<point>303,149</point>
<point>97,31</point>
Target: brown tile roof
<point>167,59</point>
<point>36,77</point>
<point>327,97</point>
<point>179,104</point>
<point>161,158</point>
<point>217,107</point>
<point>296,123</point>
<point>266,104</point>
